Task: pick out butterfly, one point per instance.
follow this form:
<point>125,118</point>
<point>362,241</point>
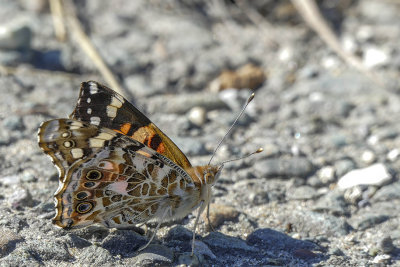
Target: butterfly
<point>117,168</point>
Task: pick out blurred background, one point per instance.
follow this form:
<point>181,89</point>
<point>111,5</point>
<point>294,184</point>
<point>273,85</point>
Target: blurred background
<point>325,191</point>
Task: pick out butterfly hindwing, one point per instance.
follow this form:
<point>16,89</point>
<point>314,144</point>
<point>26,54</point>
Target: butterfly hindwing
<point>101,106</point>
<point>106,177</point>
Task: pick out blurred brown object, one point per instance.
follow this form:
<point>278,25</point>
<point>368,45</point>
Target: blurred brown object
<point>248,76</point>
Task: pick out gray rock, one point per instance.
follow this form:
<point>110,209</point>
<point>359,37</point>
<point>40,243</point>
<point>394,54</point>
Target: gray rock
<point>386,245</point>
<point>388,192</point>
<point>123,242</point>
<point>94,256</point>
<point>343,166</point>
<point>273,240</point>
<point>20,198</point>
<point>154,255</point>
<point>8,241</point>
<point>376,174</point>
<point>293,167</point>
<point>220,242</point>
<point>302,193</point>
<point>13,123</point>
<point>15,36</point>
<point>369,220</point>
<point>314,223</point>
<point>332,202</point>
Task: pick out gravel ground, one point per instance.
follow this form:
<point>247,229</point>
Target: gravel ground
<point>326,189</point>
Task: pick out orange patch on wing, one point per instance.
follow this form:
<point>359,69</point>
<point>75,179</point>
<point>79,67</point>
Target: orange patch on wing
<point>161,148</point>
<point>125,127</point>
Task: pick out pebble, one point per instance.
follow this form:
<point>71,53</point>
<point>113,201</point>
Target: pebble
<point>368,157</point>
<point>13,123</point>
<point>386,245</point>
<point>393,154</point>
<point>375,57</point>
<point>197,116</point>
<point>343,166</point>
<point>286,168</point>
<point>20,198</point>
<point>353,194</point>
<point>388,193</point>
<point>274,240</point>
<point>8,241</point>
<point>94,256</point>
<point>369,220</point>
<point>154,255</point>
<point>223,243</point>
<point>15,35</point>
<point>326,174</point>
<point>332,202</point>
<point>123,242</point>
<point>376,174</point>
<point>220,213</point>
<point>302,193</point>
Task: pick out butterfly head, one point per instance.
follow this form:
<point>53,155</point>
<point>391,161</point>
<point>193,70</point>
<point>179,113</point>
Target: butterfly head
<point>211,174</point>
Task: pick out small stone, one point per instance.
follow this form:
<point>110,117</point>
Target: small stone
<point>20,198</point>
<point>293,167</point>
<point>374,57</point>
<point>343,166</point>
<point>388,193</point>
<point>370,220</point>
<point>123,242</point>
<point>186,259</point>
<point>326,174</point>
<point>386,245</point>
<point>155,255</point>
<point>220,213</point>
<point>220,242</point>
<point>14,36</point>
<point>197,116</point>
<point>332,202</point>
<point>202,249</point>
<point>376,174</point>
<point>302,193</point>
<point>8,240</point>
<point>353,194</point>
<point>13,123</point>
<point>382,259</point>
<point>393,154</point>
<point>368,157</point>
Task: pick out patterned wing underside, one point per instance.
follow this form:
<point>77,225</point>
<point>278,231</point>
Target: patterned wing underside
<point>108,178</point>
<point>100,105</point>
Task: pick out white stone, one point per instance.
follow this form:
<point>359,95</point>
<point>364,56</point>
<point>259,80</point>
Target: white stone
<point>368,157</point>
<point>198,116</point>
<point>376,174</point>
<point>374,57</point>
<point>326,174</point>
<point>393,154</point>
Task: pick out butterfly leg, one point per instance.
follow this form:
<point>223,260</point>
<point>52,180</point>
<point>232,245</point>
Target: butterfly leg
<point>155,231</point>
<point>208,218</point>
<point>201,209</point>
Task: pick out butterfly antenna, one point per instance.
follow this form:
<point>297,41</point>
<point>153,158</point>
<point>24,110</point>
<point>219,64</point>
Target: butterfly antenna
<point>233,124</point>
<point>243,157</point>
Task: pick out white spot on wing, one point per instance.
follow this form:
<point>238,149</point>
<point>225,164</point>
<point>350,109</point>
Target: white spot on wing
<point>116,102</point>
<point>88,100</point>
<point>93,142</point>
<point>77,153</point>
<point>95,120</point>
<point>119,187</point>
<point>89,111</point>
<point>93,88</point>
<point>111,111</point>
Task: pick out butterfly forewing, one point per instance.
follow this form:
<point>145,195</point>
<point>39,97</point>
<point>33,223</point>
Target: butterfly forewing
<point>103,107</point>
<point>109,178</point>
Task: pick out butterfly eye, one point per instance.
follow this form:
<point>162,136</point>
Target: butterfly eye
<point>84,207</point>
<point>94,175</point>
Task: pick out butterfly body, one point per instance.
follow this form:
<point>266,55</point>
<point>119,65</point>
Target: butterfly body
<point>116,168</point>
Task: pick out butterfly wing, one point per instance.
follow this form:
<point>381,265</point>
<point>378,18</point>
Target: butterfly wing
<point>107,177</point>
<point>101,106</point>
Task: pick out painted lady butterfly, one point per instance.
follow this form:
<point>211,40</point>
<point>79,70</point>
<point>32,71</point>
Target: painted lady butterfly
<point>117,168</point>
